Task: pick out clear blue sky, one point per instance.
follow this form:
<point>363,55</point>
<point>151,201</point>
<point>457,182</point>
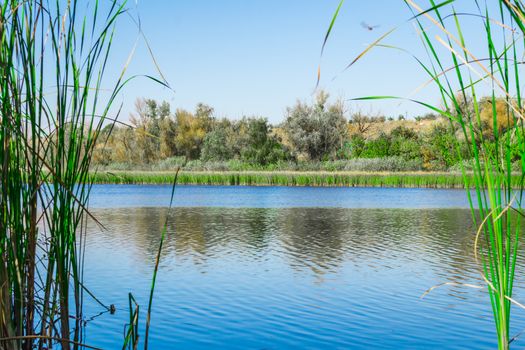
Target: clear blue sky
<point>256,57</point>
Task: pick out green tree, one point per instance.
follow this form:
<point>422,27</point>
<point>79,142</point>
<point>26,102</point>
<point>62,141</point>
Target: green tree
<point>261,147</point>
<point>192,129</point>
<point>167,134</point>
<point>317,130</point>
<point>378,147</point>
<point>405,143</point>
<point>439,151</point>
<point>147,120</point>
<point>218,144</point>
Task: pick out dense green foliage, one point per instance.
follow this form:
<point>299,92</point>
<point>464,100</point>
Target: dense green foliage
<point>317,133</point>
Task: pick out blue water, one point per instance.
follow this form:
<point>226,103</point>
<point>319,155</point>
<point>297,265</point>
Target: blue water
<point>290,268</point>
<point>126,196</point>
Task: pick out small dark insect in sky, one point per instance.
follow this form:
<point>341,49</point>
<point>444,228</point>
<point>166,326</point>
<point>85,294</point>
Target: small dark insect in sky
<point>368,27</point>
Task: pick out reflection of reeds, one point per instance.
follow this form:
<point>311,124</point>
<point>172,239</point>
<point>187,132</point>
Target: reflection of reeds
<point>295,178</point>
<point>46,146</point>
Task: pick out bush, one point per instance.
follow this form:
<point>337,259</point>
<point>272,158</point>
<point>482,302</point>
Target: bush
<point>374,164</point>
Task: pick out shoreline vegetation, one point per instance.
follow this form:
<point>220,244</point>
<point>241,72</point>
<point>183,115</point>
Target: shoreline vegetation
<point>442,180</point>
<point>316,135</point>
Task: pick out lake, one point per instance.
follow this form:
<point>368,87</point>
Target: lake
<point>280,268</point>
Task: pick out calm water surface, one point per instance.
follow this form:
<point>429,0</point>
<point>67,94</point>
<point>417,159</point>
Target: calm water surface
<point>282,268</point>
<point>126,196</point>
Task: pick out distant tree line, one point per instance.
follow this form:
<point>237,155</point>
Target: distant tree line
<point>311,132</point>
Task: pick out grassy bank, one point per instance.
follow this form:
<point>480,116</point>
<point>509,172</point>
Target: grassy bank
<point>281,178</point>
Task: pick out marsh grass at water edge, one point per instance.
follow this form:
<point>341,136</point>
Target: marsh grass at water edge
<point>294,178</point>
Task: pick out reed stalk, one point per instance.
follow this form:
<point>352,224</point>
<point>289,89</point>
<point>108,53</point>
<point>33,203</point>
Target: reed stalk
<point>495,142</point>
<point>296,178</point>
<point>47,139</point>
<point>463,72</point>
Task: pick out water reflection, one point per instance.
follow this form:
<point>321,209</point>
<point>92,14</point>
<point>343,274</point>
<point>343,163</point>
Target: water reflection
<point>313,238</point>
<point>288,277</point>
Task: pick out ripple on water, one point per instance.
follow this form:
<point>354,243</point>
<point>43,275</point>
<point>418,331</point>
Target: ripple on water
<point>292,277</point>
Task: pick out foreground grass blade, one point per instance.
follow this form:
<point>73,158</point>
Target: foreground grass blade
<point>327,35</point>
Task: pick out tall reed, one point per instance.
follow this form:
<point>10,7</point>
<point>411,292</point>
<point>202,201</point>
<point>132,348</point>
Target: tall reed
<point>496,140</point>
<point>293,178</point>
<point>53,58</point>
<point>463,72</point>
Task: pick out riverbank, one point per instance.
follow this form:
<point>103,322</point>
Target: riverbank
<point>290,178</point>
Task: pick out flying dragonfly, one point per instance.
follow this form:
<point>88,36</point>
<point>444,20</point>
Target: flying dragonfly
<point>368,27</point>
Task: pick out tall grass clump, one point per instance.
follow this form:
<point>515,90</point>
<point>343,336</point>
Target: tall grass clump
<point>480,90</point>
<point>53,58</point>
<point>464,72</point>
<point>291,178</point>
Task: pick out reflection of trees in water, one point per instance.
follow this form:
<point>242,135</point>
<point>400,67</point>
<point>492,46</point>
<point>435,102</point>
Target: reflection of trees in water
<point>261,227</point>
<point>313,238</point>
<point>193,233</point>
<point>188,236</point>
<point>437,241</point>
<point>380,238</point>
<point>210,231</point>
<point>449,238</point>
<point>133,229</point>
